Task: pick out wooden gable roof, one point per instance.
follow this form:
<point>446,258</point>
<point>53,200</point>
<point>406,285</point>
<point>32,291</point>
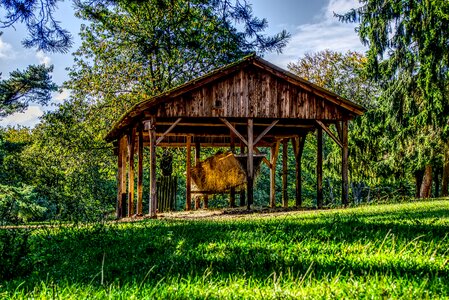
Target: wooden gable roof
<point>252,88</point>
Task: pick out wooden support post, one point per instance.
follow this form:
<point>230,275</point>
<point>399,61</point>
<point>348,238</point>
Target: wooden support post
<point>153,191</point>
<point>284,173</point>
<point>131,142</point>
<point>344,164</point>
<point>242,191</point>
<point>197,160</point>
<point>140,173</point>
<point>121,177</point>
<point>188,175</point>
<point>232,192</point>
<point>273,160</point>
<point>298,147</point>
<point>330,133</point>
<point>250,164</point>
<point>319,168</point>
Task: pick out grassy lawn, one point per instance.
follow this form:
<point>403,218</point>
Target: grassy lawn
<point>384,251</point>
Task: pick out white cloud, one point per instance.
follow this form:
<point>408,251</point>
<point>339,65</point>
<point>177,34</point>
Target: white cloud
<point>42,58</point>
<point>28,118</point>
<point>6,50</point>
<point>59,97</point>
<point>326,33</point>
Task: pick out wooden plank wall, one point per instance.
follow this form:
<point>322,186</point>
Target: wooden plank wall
<point>251,92</point>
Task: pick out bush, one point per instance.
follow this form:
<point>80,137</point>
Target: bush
<point>19,204</point>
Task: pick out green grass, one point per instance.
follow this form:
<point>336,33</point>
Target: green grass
<point>385,251</point>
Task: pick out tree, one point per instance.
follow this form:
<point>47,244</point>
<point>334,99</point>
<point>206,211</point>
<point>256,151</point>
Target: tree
<point>408,53</point>
<point>345,75</point>
<point>45,33</point>
<point>129,52</point>
<point>22,87</point>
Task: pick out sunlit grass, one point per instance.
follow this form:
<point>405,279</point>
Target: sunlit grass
<point>385,251</point>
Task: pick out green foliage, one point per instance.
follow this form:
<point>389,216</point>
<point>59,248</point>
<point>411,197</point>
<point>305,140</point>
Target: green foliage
<point>407,43</point>
<point>22,87</point>
<point>376,165</point>
<point>19,204</point>
<point>15,251</point>
<point>383,251</point>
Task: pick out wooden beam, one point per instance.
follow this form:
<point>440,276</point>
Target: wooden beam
<point>232,191</point>
<point>131,142</point>
<point>273,159</point>
<point>232,128</point>
<point>168,131</point>
<point>139,211</point>
<point>208,124</point>
<point>319,168</point>
<point>344,164</point>
<point>284,173</point>
<point>263,133</point>
<point>329,132</point>
<point>298,147</point>
<point>250,165</point>
<point>242,190</point>
<point>338,126</point>
<point>197,160</point>
<point>188,174</point>
<point>121,177</point>
<point>264,159</point>
<point>153,192</point>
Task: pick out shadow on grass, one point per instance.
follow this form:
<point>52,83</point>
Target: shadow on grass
<point>398,243</point>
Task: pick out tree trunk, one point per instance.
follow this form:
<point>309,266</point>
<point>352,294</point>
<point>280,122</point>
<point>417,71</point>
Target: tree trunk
<point>418,181</point>
<point>426,185</point>
<point>436,180</point>
<point>445,185</point>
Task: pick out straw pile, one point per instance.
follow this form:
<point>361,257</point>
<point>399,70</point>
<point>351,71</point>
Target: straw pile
<point>218,173</point>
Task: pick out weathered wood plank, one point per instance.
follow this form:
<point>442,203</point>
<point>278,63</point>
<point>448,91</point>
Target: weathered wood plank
<point>273,160</point>
<point>197,161</point>
<point>153,186</point>
<point>319,168</point>
<point>161,137</point>
<point>329,132</point>
<point>188,173</point>
<point>250,165</point>
<point>344,164</point>
<point>242,190</point>
<point>263,133</point>
<point>284,173</point>
<point>121,176</point>
<point>298,146</point>
<point>140,172</point>
<point>232,192</point>
<point>131,144</point>
<point>234,130</point>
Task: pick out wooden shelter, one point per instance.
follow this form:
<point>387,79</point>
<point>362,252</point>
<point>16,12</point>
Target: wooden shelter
<point>251,103</point>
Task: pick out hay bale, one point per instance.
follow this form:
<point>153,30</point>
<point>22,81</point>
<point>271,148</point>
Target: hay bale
<point>218,173</point>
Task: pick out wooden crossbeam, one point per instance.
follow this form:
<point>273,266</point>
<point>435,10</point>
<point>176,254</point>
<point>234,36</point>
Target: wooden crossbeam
<point>330,133</point>
<point>161,138</point>
<point>338,126</point>
<point>235,131</point>
<point>273,158</point>
<point>264,159</point>
<point>265,131</point>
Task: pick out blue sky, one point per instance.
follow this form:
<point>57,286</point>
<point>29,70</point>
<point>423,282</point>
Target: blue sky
<point>310,22</point>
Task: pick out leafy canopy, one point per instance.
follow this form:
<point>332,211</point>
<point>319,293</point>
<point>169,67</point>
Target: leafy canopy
<point>22,87</point>
<point>408,51</point>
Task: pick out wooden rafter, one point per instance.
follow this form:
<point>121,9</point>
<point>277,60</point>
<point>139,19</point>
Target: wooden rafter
<point>265,131</point>
<point>235,131</point>
<point>330,133</point>
<point>168,131</point>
